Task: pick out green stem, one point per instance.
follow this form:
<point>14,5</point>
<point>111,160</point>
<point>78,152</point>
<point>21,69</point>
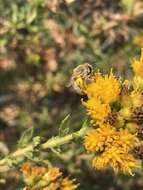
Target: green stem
<point>63,140</point>
<point>51,143</point>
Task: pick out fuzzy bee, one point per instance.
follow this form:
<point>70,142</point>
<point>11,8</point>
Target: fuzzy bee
<point>81,73</point>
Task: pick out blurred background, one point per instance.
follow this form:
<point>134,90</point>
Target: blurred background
<point>41,41</point>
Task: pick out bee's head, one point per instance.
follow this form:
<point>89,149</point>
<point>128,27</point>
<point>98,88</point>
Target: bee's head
<point>82,70</point>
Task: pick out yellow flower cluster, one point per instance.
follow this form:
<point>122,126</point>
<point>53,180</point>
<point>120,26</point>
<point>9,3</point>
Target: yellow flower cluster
<point>100,138</point>
<point>138,66</point>
<point>106,136</point>
<point>68,184</point>
<point>118,159</point>
<point>104,90</point>
<point>99,111</point>
<point>37,177</point>
<point>116,110</point>
<point>113,147</point>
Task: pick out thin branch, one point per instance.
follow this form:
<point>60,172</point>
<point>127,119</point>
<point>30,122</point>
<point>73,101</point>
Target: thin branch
<point>51,143</point>
<point>63,140</point>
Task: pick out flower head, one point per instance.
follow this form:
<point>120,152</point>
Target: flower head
<point>97,110</point>
<point>116,158</point>
<point>101,91</point>
<point>113,147</point>
<point>116,109</point>
<point>106,88</point>
<point>106,136</point>
<point>37,177</point>
<point>137,65</point>
<point>68,184</point>
<point>136,98</point>
<point>100,138</point>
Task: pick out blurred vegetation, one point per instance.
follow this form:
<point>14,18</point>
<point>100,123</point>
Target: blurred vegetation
<point>41,41</point>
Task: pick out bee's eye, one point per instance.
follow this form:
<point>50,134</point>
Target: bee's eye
<point>89,69</point>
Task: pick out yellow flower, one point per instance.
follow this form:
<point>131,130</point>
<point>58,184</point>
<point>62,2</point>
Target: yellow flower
<point>32,173</point>
<point>106,136</point>
<point>137,65</point>
<point>132,127</point>
<point>52,174</point>
<point>116,158</point>
<point>100,138</point>
<point>137,83</point>
<point>37,177</point>
<point>97,111</point>
<point>114,147</point>
<point>105,88</point>
<point>68,184</point>
<point>136,98</point>
<point>126,140</point>
<point>125,113</point>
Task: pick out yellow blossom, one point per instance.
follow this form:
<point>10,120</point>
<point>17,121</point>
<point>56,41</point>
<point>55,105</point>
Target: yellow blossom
<point>126,140</point>
<point>114,146</point>
<point>138,65</point>
<point>37,177</point>
<point>137,83</point>
<point>115,107</point>
<point>68,184</point>
<point>32,173</point>
<point>136,98</point>
<point>132,127</point>
<point>100,138</point>
<point>105,88</point>
<point>116,158</point>
<point>106,136</point>
<point>125,112</point>
<point>97,110</point>
<point>52,174</point>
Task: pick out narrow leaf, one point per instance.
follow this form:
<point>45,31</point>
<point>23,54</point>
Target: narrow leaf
<point>26,138</point>
<point>64,126</point>
<point>86,123</point>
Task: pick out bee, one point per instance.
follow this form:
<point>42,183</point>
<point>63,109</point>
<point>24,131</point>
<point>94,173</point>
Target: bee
<point>83,72</point>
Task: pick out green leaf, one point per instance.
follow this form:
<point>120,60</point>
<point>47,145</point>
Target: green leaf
<point>36,141</point>
<point>57,151</point>
<point>64,126</point>
<point>26,138</point>
<point>86,123</point>
<point>29,155</point>
<point>13,162</point>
